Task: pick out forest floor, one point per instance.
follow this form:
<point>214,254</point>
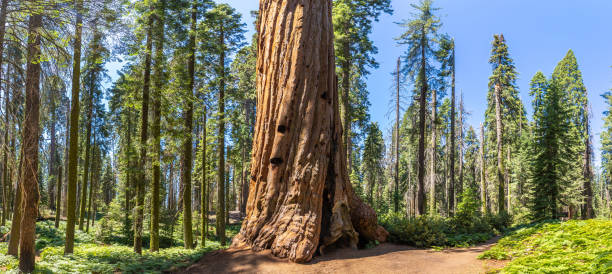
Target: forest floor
<point>384,258</point>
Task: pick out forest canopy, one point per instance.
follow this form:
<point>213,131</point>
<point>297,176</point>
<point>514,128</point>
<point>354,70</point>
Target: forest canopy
<point>208,137</point>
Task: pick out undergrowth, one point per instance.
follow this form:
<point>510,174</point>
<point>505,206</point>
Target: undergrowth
<point>556,247</point>
<point>104,255</point>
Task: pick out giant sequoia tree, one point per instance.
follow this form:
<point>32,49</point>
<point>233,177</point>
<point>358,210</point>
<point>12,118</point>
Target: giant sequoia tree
<point>300,197</point>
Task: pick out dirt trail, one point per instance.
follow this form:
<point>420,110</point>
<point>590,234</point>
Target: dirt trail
<point>385,258</point>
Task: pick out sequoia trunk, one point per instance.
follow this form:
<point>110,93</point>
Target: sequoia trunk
<point>300,197</point>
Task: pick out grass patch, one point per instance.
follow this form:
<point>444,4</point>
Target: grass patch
<point>555,247</point>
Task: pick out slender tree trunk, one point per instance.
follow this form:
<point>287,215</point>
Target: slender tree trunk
<point>397,136</point>
<point>86,168</point>
<point>204,182</point>
<point>171,194</point>
<point>144,126</point>
<point>461,156</point>
<point>94,167</point>
<point>29,172</point>
<point>434,144</point>
<point>221,144</point>
<point>66,162</point>
<point>74,131</point>
<point>13,246</point>
<point>422,110</point>
<point>451,191</point>
<point>226,194</point>
<point>500,157</point>
<point>128,175</point>
<point>187,143</point>
<point>508,181</point>
<point>483,168</point>
<point>3,190</point>
<point>300,197</point>
<point>6,180</point>
<point>156,128</point>
<point>58,204</point>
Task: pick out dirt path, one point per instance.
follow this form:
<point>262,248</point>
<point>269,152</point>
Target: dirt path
<point>385,258</point>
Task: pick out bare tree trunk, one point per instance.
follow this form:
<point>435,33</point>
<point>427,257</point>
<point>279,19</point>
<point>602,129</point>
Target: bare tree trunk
<point>86,168</point>
<point>58,204</point>
<point>171,194</point>
<point>508,181</point>
<point>29,172</point>
<point>397,136</point>
<point>204,182</point>
<point>187,142</point>
<point>483,168</point>
<point>451,198</point>
<point>6,180</point>
<point>221,146</point>
<point>74,133</point>
<point>500,157</point>
<point>421,156</point>
<point>144,134</point>
<point>300,196</point>
<point>461,145</point>
<point>156,127</point>
<point>13,246</point>
<point>66,162</point>
<point>432,156</point>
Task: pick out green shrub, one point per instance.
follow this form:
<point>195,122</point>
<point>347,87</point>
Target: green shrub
<point>422,231</point>
<point>468,219</point>
<point>554,247</point>
<point>467,227</point>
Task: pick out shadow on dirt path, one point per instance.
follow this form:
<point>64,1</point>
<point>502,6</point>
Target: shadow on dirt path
<point>385,258</point>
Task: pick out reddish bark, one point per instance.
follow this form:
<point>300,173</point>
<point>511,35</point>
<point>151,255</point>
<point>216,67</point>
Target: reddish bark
<point>300,196</point>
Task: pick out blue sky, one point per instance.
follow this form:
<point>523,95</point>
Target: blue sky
<point>539,33</point>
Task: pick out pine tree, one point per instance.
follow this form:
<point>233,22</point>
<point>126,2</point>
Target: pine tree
<point>552,145</point>
<point>420,37</point>
<point>503,106</point>
<point>568,79</point>
<point>354,49</point>
<point>373,154</point>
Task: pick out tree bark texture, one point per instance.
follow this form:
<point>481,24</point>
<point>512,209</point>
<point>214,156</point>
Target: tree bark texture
<point>58,203</point>
<point>156,127</point>
<point>483,169</point>
<point>432,156</point>
<point>144,127</point>
<point>501,201</point>
<point>300,197</point>
<point>451,192</point>
<point>221,208</point>
<point>13,246</point>
<point>29,172</point>
<point>420,209</point>
<point>74,133</point>
<point>187,142</point>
